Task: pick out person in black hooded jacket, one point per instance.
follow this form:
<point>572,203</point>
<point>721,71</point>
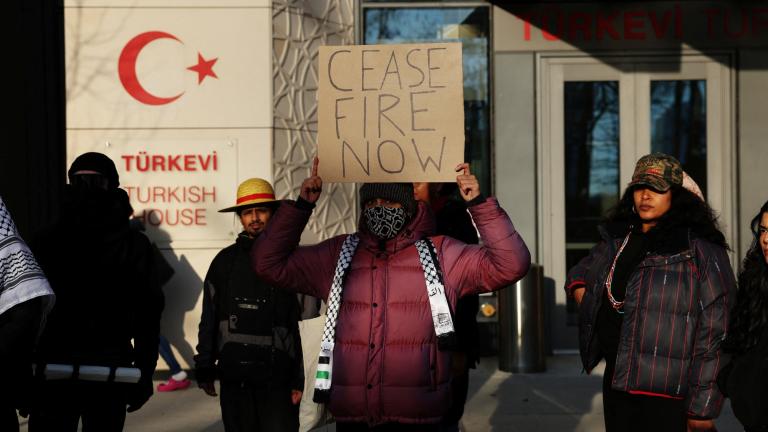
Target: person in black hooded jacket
<point>108,306</point>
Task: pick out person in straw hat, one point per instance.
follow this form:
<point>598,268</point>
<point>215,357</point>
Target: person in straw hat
<point>248,335</point>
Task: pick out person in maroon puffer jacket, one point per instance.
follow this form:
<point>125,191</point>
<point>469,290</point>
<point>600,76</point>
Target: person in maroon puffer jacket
<point>387,370</point>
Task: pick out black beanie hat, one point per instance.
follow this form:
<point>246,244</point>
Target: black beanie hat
<point>97,162</point>
<point>396,192</point>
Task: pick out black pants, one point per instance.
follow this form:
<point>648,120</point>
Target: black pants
<point>251,408</point>
<point>389,427</point>
<point>625,412</point>
<point>459,389</point>
<point>59,406</point>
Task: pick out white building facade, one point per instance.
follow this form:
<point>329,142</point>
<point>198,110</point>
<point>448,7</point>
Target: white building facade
<point>191,97</point>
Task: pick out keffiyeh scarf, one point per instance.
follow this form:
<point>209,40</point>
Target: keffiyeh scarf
<point>21,278</point>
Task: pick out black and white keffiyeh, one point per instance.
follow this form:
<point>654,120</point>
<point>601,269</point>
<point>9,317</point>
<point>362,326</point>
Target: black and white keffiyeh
<point>325,361</point>
<point>21,278</point>
<point>438,303</point>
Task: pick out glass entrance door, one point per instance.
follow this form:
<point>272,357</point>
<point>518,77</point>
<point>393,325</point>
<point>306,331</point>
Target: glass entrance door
<point>598,116</point>
<point>591,145</point>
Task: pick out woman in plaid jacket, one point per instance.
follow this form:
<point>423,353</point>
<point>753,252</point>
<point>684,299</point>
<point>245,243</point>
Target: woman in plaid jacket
<point>654,296</point>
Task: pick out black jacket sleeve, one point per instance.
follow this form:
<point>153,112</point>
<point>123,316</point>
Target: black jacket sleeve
<point>207,332</point>
<point>19,326</point>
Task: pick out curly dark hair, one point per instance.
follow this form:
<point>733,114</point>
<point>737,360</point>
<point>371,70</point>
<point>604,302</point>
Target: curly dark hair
<point>750,316</point>
<point>687,211</point>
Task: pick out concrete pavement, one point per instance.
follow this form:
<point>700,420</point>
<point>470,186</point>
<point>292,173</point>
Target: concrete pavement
<point>561,399</point>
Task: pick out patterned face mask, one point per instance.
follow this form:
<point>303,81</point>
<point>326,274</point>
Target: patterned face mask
<point>384,222</point>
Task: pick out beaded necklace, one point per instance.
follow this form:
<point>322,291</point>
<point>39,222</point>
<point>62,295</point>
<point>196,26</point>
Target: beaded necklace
<point>616,304</point>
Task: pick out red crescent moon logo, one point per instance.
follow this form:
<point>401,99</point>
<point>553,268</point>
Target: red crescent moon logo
<point>127,68</point>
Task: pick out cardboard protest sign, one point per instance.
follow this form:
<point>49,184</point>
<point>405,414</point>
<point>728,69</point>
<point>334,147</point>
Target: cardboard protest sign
<point>390,113</point>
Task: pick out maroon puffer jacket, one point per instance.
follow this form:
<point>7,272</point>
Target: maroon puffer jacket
<point>387,367</point>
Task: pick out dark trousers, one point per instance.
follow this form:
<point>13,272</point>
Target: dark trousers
<point>459,388</point>
<point>59,406</point>
<point>251,408</point>
<point>625,412</point>
<point>389,427</point>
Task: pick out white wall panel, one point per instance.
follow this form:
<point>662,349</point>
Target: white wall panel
<point>238,97</point>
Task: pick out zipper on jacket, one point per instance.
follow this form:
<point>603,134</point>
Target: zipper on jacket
<point>432,357</point>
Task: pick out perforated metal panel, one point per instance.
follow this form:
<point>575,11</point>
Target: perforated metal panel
<point>299,29</point>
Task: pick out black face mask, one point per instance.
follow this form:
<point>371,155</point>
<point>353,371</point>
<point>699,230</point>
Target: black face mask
<point>87,193</point>
<point>384,222</point>
<point>89,182</point>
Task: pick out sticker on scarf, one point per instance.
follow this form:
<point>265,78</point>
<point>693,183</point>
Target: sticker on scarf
<point>326,347</point>
<point>438,303</point>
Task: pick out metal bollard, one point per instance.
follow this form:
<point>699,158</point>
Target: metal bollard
<point>521,324</point>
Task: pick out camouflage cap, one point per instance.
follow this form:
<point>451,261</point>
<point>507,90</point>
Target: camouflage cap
<point>659,171</point>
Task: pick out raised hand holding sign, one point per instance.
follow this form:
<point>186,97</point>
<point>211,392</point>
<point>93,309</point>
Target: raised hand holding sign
<point>312,186</point>
<point>469,187</point>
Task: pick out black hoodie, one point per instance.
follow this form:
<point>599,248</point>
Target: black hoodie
<point>106,288</point>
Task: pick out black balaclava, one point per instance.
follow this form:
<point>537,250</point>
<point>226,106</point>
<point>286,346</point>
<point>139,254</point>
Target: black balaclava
<point>385,222</point>
<point>89,193</point>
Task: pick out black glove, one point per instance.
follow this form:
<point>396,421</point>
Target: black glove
<point>205,374</point>
<point>139,394</point>
<point>26,402</point>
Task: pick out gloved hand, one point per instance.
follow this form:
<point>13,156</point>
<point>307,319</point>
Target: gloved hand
<point>205,377</point>
<point>27,393</point>
<point>25,404</point>
<point>208,387</point>
<point>139,394</point>
<point>205,374</point>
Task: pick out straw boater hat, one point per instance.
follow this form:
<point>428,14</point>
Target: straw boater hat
<point>254,192</point>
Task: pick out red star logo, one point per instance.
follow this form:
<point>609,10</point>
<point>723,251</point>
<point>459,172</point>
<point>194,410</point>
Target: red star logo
<point>203,68</point>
